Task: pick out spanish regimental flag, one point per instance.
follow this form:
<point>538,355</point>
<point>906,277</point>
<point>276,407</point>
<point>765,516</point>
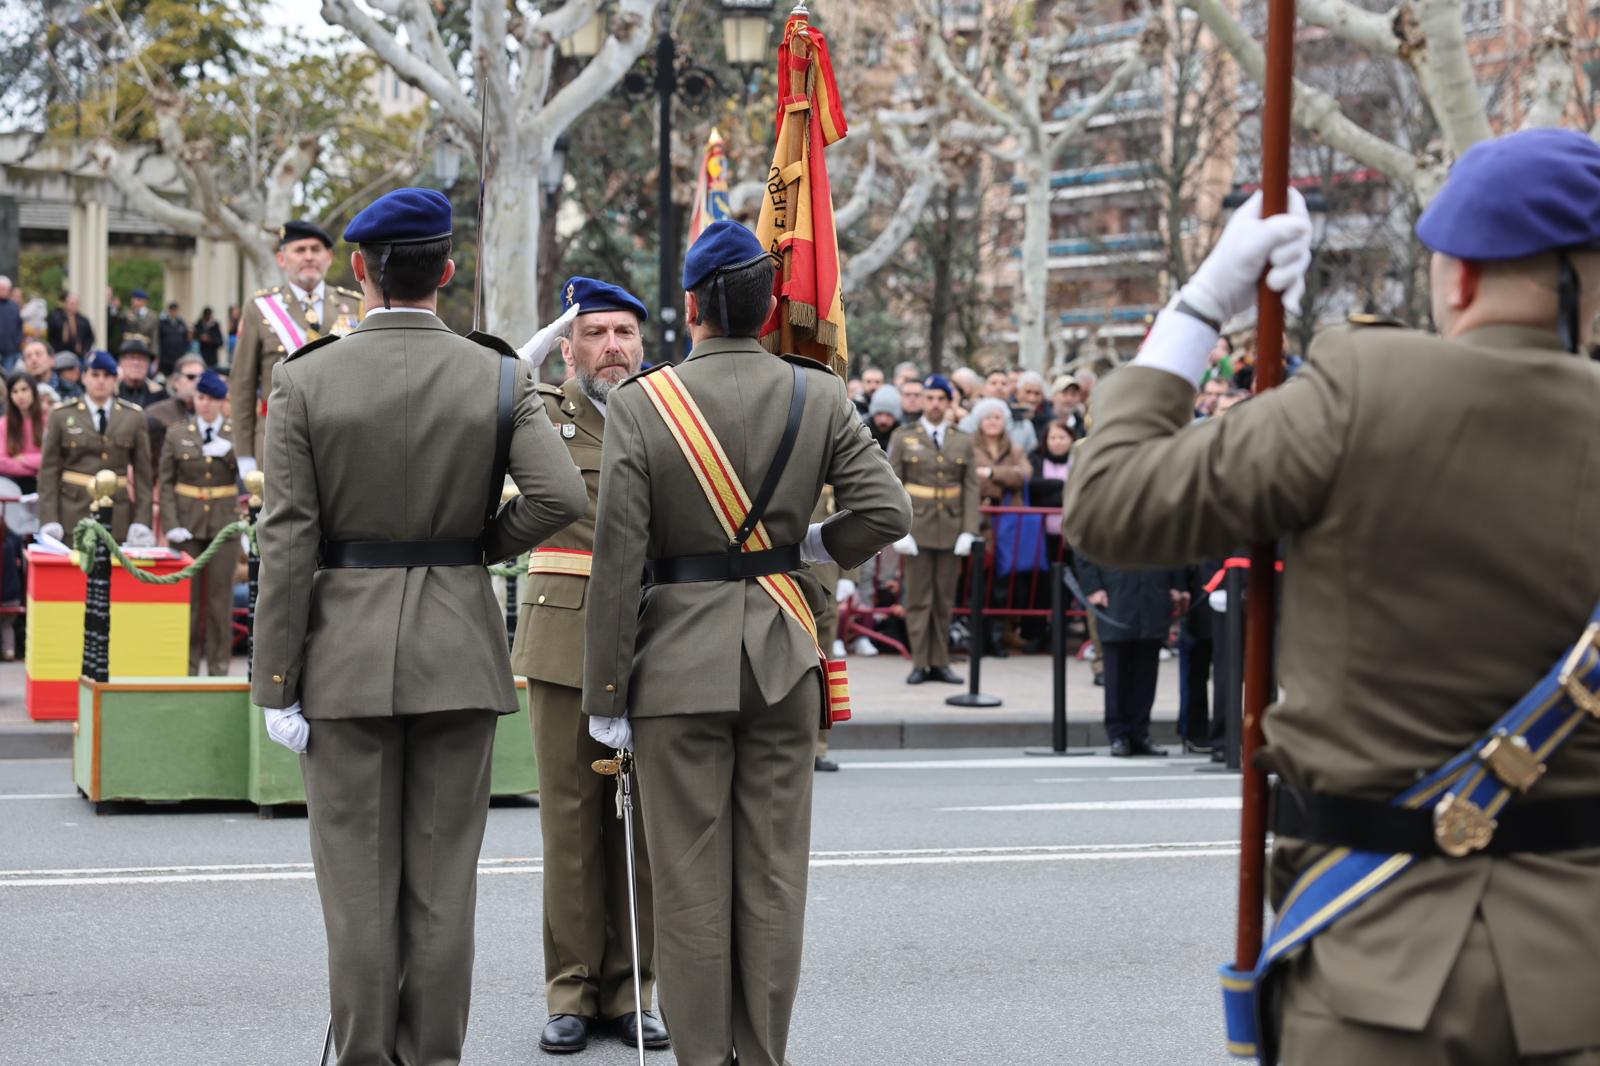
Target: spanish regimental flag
<point>711,190</point>
<point>797,214</point>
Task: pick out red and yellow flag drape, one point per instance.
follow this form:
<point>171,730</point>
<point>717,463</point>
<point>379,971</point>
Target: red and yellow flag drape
<point>711,188</point>
<point>797,214</point>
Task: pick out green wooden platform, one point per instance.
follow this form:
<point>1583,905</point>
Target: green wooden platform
<point>200,738</point>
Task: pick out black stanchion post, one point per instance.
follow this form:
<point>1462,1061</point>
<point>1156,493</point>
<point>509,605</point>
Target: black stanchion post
<point>511,610</point>
<point>979,589</point>
<point>1058,665</point>
<point>97,591</point>
<point>1233,622</point>
<point>254,482</point>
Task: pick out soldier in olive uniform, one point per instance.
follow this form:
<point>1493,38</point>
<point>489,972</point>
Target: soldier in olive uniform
<point>380,651</point>
<point>936,463</point>
<point>588,952</point>
<point>1439,495</point>
<point>199,483</point>
<point>722,687</point>
<point>275,322</point>
<point>97,432</point>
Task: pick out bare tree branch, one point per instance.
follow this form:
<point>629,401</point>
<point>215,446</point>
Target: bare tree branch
<point>1371,31</point>
<point>861,193</point>
<point>876,255</point>
<point>442,86</point>
<point>1551,82</point>
<point>1079,122</point>
<point>1444,69</point>
<point>963,85</point>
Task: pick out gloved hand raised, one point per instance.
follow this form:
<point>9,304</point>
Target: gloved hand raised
<point>540,345</point>
<point>1225,284</point>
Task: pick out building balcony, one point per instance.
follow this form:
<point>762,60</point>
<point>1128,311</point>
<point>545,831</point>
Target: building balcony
<point>1135,100</point>
<point>1095,175</point>
<point>1110,244</point>
<point>1101,316</point>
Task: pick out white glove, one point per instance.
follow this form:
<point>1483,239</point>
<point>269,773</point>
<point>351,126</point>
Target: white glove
<point>1225,284</point>
<point>217,448</point>
<point>614,733</point>
<point>179,534</point>
<point>52,530</point>
<point>964,544</point>
<point>1219,601</point>
<point>247,465</point>
<point>844,590</point>
<point>540,344</point>
<point>288,727</point>
<point>906,545</point>
<point>812,550</point>
<point>141,536</point>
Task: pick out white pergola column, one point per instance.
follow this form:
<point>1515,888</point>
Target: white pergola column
<point>88,255</point>
<point>214,279</point>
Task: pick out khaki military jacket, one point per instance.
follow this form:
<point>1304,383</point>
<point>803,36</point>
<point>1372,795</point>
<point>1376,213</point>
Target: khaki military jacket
<point>258,350</point>
<point>199,492</point>
<point>550,619</point>
<point>388,434</point>
<point>162,416</point>
<point>674,649</point>
<point>942,483</point>
<point>73,447</point>
<point>1440,500</point>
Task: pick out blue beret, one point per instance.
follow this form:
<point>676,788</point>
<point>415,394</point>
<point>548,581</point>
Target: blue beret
<point>99,360</point>
<point>139,294</point>
<point>721,246</point>
<point>1519,195</point>
<point>298,230</point>
<point>593,296</point>
<point>405,216</point>
<point>942,383</point>
<point>212,384</point>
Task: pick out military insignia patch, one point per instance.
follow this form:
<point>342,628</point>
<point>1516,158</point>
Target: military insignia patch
<point>568,430</point>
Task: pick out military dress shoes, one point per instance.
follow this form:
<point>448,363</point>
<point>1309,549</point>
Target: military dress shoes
<point>1122,748</point>
<point>826,766</point>
<point>943,673</point>
<point>1146,746</point>
<point>565,1033</point>
<point>917,676</point>
<point>655,1031</point>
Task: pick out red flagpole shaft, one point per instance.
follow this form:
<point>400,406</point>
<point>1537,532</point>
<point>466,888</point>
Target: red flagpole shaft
<point>1262,593</point>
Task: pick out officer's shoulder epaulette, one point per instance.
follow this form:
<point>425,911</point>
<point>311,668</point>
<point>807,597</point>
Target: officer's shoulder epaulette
<point>352,293</point>
<point>269,290</point>
<point>1362,318</point>
<point>544,388</point>
<point>805,361</point>
<point>311,346</point>
<point>126,406</point>
<point>903,431</point>
<point>493,343</point>
<point>643,374</point>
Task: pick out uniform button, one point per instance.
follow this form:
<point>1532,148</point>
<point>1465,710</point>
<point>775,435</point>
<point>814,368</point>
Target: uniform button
<point>205,507</point>
<point>611,688</point>
<point>541,599</point>
<point>277,679</point>
<point>208,460</point>
<point>105,455</point>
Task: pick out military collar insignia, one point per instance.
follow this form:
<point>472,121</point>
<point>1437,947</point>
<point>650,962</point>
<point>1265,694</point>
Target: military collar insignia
<point>569,430</point>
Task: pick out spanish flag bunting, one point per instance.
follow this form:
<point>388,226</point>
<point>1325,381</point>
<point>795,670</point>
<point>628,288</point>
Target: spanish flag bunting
<point>711,190</point>
<point>797,213</point>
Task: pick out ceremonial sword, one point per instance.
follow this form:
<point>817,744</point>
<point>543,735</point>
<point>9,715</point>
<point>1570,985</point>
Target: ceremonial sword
<point>621,768</point>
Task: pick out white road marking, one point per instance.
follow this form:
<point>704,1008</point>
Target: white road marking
<point>38,796</point>
<point>262,872</point>
<point>1026,762</point>
<point>1182,779</point>
<point>1195,803</point>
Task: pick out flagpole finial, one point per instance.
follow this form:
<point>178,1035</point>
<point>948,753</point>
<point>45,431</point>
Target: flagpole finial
<point>800,9</point>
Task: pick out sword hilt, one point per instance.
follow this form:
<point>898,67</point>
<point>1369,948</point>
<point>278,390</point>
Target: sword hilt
<point>621,764</point>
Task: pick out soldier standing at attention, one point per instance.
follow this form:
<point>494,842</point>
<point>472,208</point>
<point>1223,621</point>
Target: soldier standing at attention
<point>97,432</point>
<point>711,659</point>
<point>278,321</point>
<point>380,651</point>
<point>1441,560</point>
<point>199,484</point>
<point>588,959</point>
<point>939,468</point>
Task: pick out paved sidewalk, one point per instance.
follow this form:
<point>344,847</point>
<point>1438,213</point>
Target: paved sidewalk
<point>888,712</point>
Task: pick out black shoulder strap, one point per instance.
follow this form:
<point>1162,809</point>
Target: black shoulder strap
<point>791,431</point>
<point>504,409</point>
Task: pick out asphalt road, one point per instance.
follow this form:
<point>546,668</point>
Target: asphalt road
<point>970,907</point>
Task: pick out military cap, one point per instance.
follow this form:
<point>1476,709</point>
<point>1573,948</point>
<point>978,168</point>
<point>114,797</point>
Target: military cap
<point>68,361</point>
<point>135,344</point>
<point>100,360</point>
<point>212,384</point>
<point>404,216</point>
<point>1516,196</point>
<point>722,246</point>
<point>593,296</point>
<point>940,382</point>
<point>138,294</point>
<point>298,230</point>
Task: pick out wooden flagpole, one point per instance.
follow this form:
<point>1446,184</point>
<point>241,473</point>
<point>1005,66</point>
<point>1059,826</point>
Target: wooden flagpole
<point>1262,594</point>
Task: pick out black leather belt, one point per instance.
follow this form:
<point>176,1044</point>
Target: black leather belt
<point>723,566</point>
<point>396,554</point>
<point>1371,825</point>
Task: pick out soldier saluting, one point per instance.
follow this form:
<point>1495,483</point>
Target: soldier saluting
<point>276,322</point>
<point>97,432</point>
<point>380,653</point>
<point>1441,561</point>
<point>709,476</point>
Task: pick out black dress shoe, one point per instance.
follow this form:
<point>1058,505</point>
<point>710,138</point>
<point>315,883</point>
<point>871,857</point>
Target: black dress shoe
<point>1099,680</point>
<point>826,766</point>
<point>1219,754</point>
<point>565,1033</point>
<point>917,676</point>
<point>1196,747</point>
<point>655,1031</point>
<point>1122,748</point>
<point>943,673</point>
<point>1145,746</point>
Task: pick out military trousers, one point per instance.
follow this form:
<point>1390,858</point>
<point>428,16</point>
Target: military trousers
<point>930,577</point>
<point>588,950</point>
<point>1470,1025</point>
<point>729,819</point>
<point>397,808</point>
<point>211,607</point>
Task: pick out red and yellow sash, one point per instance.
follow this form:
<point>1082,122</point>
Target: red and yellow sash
<point>731,504</point>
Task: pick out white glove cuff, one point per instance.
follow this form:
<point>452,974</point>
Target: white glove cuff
<point>1179,344</point>
<point>812,550</point>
